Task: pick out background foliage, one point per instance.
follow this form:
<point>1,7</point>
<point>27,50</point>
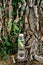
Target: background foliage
<point>9,42</point>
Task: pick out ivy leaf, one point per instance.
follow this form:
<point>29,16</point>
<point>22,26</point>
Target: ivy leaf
<point>4,57</point>
<point>5,14</point>
<point>16,28</point>
<point>14,4</point>
<point>13,13</point>
<point>23,8</point>
<point>9,24</point>
<point>7,43</point>
<point>21,20</point>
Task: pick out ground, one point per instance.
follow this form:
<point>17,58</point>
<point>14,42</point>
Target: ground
<point>30,63</point>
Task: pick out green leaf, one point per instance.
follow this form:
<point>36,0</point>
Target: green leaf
<point>9,24</point>
<point>14,4</point>
<point>23,8</point>
<point>16,28</point>
<point>7,43</point>
<point>21,20</point>
<point>5,14</point>
<point>13,13</point>
<point>4,57</point>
